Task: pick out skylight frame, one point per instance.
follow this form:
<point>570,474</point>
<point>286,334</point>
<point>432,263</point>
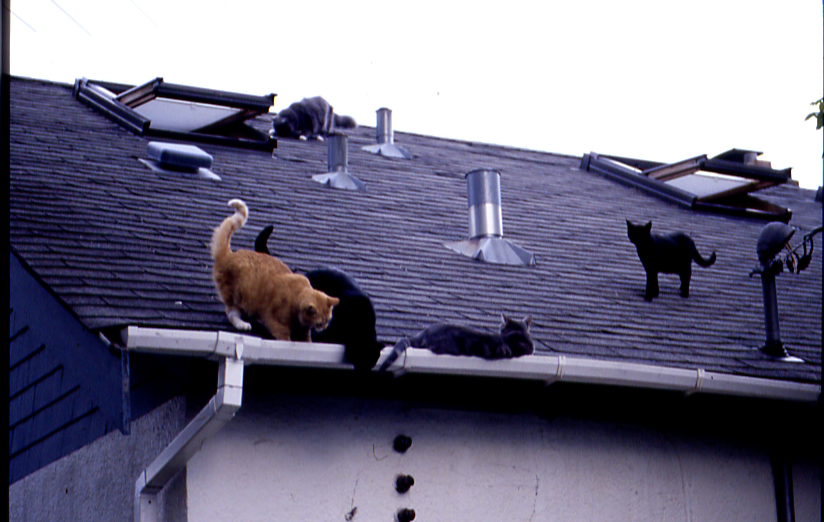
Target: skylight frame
<point>120,101</point>
<point>662,180</point>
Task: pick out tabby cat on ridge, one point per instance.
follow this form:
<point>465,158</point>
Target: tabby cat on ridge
<point>668,254</point>
<point>449,339</point>
<point>264,288</point>
<point>353,324</point>
<point>310,118</point>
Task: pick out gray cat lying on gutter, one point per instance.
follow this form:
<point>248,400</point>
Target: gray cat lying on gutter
<point>449,339</point>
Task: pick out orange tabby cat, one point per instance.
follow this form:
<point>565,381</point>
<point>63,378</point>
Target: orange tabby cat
<point>262,287</point>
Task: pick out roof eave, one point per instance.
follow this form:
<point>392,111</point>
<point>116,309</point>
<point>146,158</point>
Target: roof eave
<point>546,368</point>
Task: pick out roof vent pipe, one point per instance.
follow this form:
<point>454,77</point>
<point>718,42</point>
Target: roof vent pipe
<point>385,134</point>
<point>179,158</point>
<point>338,161</point>
<point>486,229</point>
<point>483,194</point>
<point>386,138</point>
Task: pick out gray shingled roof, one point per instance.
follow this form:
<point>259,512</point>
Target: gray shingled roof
<point>123,245</point>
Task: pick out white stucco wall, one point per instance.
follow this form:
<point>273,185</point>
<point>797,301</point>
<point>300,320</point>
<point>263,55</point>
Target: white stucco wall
<point>314,458</point>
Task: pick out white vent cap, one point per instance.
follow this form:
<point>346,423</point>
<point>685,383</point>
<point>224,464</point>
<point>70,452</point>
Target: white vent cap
<point>179,156</point>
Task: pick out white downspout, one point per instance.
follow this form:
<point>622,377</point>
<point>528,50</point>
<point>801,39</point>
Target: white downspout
<point>219,411</point>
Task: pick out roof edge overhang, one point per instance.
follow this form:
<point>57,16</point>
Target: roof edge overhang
<point>546,368</point>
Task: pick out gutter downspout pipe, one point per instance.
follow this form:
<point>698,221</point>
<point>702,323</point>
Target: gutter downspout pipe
<point>783,481</point>
<point>219,411</point>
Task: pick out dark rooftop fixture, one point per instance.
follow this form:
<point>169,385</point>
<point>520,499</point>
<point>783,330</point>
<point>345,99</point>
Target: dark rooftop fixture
<point>486,241</point>
<point>774,238</point>
<point>721,184</point>
<point>179,112</point>
<point>386,138</point>
<point>338,160</point>
<point>179,158</point>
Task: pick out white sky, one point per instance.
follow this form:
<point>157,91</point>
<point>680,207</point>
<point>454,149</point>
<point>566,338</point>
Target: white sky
<point>654,79</point>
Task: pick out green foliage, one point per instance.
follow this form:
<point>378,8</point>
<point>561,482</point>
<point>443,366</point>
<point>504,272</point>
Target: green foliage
<point>819,116</point>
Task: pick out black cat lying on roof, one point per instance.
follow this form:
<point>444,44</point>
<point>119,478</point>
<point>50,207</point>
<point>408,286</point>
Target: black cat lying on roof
<point>310,118</point>
<point>449,339</point>
<point>668,254</point>
<point>353,319</point>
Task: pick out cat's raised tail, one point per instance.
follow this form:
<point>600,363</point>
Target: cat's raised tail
<point>345,122</point>
<point>696,256</point>
<point>222,236</point>
<point>263,237</point>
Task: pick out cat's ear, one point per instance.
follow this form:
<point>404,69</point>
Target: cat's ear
<point>528,320</point>
<point>648,226</point>
<point>504,318</point>
<point>332,301</point>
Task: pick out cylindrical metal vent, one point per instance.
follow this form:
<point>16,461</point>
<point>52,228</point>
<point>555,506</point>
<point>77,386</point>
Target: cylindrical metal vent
<point>338,147</point>
<point>384,127</point>
<point>338,158</point>
<point>483,188</point>
<point>386,138</point>
<point>486,229</point>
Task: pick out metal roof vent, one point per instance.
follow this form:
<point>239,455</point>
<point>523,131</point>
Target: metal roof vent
<point>386,138</point>
<point>178,158</point>
<point>338,177</point>
<point>486,241</point>
<point>774,238</point>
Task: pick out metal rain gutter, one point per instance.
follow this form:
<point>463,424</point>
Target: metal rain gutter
<point>546,368</point>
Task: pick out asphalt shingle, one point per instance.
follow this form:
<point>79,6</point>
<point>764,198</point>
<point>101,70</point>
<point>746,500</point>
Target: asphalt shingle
<point>124,245</point>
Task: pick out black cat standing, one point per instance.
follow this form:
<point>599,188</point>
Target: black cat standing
<point>665,254</point>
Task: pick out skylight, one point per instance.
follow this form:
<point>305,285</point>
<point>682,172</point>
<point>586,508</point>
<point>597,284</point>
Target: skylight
<point>166,110</point>
<point>721,184</point>
<point>181,116</point>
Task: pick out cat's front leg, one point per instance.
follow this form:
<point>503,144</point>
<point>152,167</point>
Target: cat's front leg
<point>278,330</point>
<point>652,287</point>
<point>234,317</point>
